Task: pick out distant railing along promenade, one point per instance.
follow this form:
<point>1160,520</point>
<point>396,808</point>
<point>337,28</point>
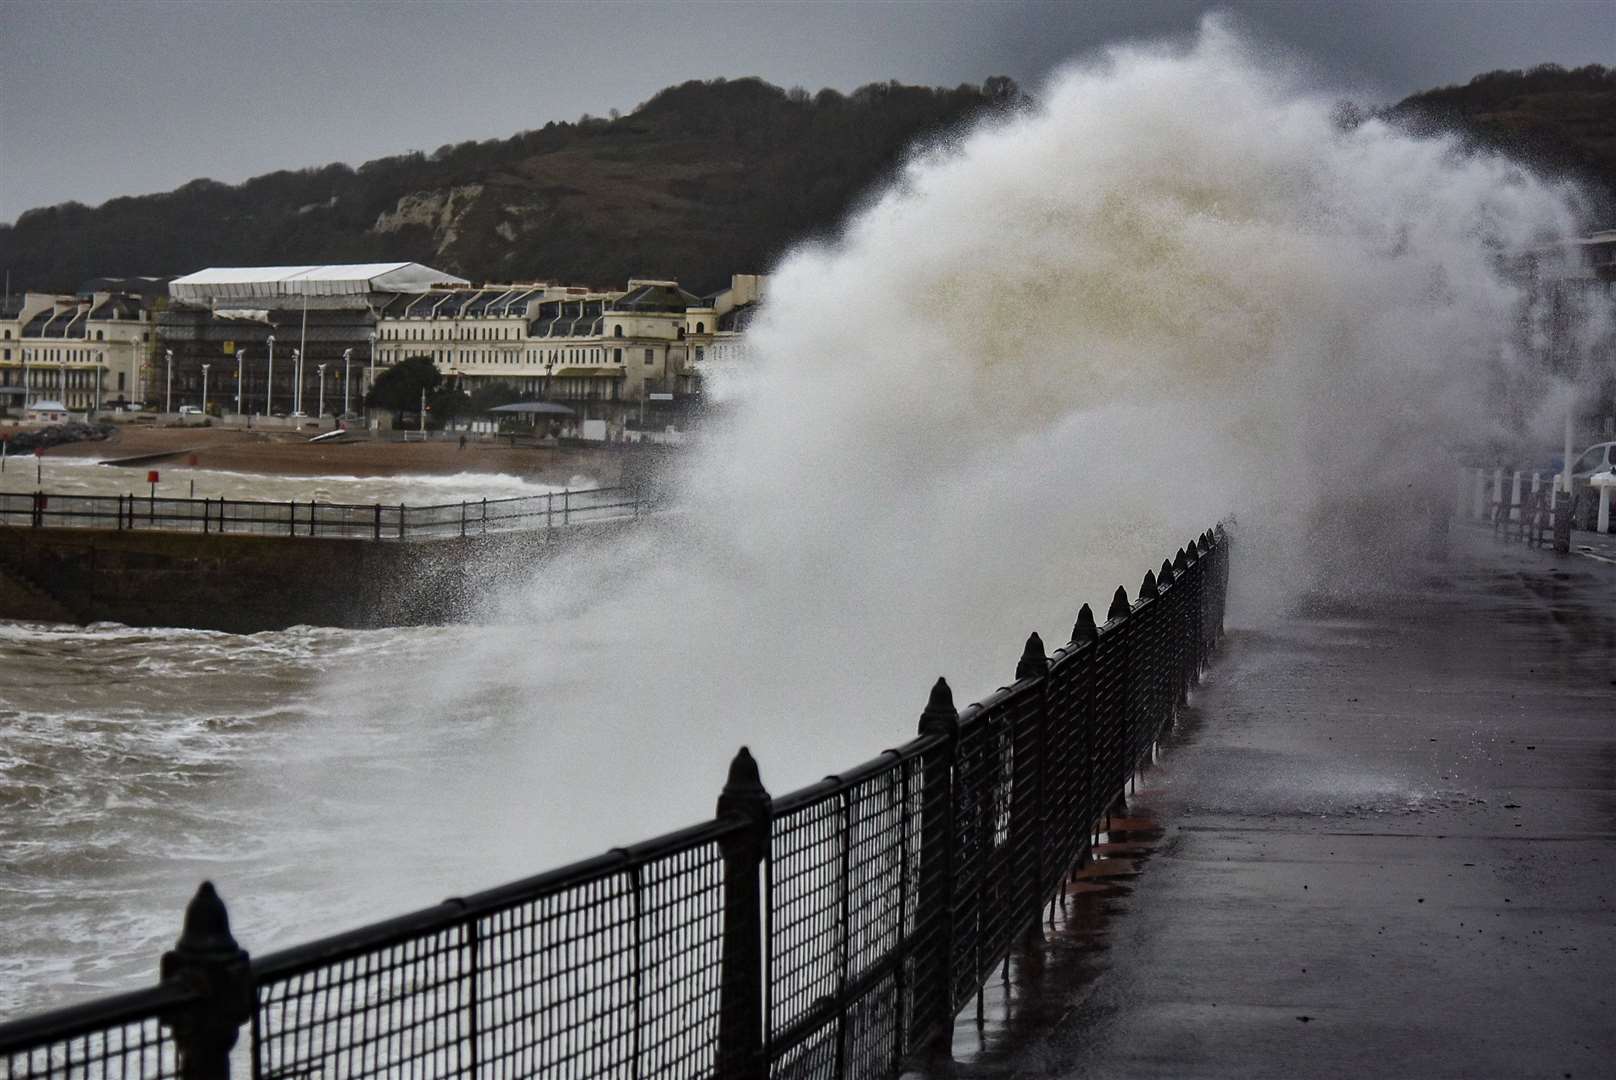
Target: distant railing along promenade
<point>353,521</point>
<point>833,932</point>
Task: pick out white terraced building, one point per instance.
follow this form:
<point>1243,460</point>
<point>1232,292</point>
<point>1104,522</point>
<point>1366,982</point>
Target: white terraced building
<point>86,351</point>
<point>610,353</point>
<point>597,350</point>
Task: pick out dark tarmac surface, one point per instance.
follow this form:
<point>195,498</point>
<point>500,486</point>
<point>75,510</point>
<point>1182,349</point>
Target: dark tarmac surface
<point>1381,843</point>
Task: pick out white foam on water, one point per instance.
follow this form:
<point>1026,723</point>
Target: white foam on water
<point>87,476</point>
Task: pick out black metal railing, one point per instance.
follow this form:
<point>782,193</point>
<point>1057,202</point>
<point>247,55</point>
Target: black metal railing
<point>352,521</point>
<point>1518,506</point>
<point>832,932</point>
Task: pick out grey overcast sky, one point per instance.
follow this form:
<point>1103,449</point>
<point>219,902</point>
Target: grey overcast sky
<point>123,97</point>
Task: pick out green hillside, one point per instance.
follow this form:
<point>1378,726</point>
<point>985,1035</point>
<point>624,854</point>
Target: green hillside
<point>703,180</point>
<point>1562,122</point>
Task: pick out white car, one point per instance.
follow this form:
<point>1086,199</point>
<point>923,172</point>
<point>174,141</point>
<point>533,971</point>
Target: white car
<point>1599,457</point>
<point>190,410</point>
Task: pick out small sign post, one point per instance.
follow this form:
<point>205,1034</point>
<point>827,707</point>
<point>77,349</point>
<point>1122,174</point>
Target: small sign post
<point>151,478</point>
<point>39,464</point>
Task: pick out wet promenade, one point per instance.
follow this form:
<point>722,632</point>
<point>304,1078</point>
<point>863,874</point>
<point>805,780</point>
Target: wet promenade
<point>1382,843</point>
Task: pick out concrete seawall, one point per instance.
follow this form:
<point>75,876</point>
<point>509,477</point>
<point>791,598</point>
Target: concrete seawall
<point>245,584</point>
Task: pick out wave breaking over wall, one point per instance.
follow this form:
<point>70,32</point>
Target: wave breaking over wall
<point>1053,351</point>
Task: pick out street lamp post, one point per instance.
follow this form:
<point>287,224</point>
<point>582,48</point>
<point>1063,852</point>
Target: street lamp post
<point>241,367</point>
<point>347,378</point>
<point>321,369</point>
<point>297,382</point>
<point>370,383</point>
<point>168,400</point>
<point>27,395</point>
<point>269,380</point>
<point>205,388</point>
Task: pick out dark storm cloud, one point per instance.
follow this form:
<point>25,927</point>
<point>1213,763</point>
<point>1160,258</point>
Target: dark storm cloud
<point>98,100</point>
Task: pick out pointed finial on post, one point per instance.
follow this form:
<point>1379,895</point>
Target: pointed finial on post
<point>1203,543</point>
<point>940,717</point>
<point>1181,561</point>
<point>1034,661</point>
<point>206,932</point>
<point>1119,605</point>
<point>1084,629</point>
<point>1192,554</point>
<point>740,1011</point>
<point>1147,588</point>
<point>743,781</point>
<point>1165,574</point>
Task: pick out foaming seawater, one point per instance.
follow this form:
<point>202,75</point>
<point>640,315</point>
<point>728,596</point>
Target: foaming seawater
<point>86,476</point>
<point>136,762</point>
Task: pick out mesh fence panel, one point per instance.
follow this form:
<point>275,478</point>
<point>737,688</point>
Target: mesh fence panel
<point>995,785</point>
<point>617,974</point>
<point>397,1010</point>
<point>121,1038</point>
<point>1110,718</point>
<point>843,904</point>
<point>680,955</point>
<point>1070,809</point>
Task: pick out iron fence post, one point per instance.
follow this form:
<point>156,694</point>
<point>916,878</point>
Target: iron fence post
<point>1118,613</point>
<point>1084,631</point>
<point>1034,664</point>
<point>566,505</point>
<point>401,521</point>
<point>1192,567</point>
<point>1155,704</point>
<point>741,991</point>
<point>1203,548</point>
<point>1172,668</point>
<point>1186,612</point>
<point>1562,526</point>
<point>377,530</point>
<point>934,904</point>
<point>207,958</point>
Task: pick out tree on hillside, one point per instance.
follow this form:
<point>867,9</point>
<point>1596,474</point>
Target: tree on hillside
<point>491,395</point>
<point>399,387</point>
<point>449,403</point>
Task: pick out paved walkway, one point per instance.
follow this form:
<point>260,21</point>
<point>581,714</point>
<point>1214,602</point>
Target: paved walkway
<point>1382,843</point>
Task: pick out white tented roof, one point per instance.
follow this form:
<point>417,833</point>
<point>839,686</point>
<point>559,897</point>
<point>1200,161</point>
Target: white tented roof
<point>242,282</point>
